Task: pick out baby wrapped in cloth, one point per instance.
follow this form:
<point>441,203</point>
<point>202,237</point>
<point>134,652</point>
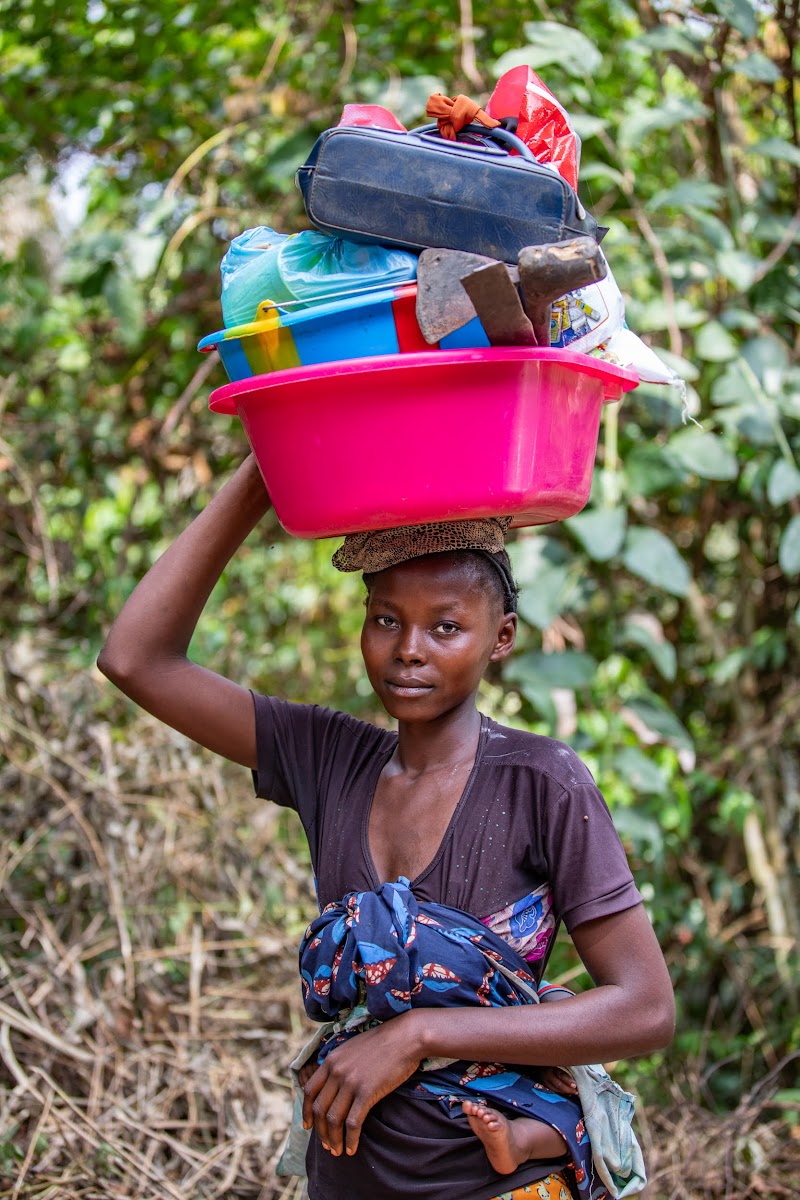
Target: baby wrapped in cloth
<point>375,954</point>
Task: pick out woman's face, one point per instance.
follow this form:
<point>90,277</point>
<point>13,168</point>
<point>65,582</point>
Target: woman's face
<point>431,628</point>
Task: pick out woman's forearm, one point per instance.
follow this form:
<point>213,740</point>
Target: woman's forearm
<point>593,1027</point>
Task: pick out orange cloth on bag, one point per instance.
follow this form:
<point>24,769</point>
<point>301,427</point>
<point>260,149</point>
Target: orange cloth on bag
<point>453,113</point>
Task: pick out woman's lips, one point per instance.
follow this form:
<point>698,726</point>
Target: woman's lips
<point>408,687</point>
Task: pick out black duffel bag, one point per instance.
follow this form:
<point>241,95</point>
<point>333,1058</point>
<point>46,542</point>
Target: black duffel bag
<point>418,190</point>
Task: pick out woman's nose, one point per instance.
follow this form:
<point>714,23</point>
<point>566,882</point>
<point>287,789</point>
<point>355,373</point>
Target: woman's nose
<point>410,646</point>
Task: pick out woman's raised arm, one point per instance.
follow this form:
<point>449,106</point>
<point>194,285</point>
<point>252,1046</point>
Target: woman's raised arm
<point>145,652</point>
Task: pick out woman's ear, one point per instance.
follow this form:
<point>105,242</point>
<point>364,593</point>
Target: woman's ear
<point>506,637</point>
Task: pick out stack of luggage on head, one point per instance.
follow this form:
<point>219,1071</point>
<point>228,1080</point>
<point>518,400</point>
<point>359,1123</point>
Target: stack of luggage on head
<point>453,280</point>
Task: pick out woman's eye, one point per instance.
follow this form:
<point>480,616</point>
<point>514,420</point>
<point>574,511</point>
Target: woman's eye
<point>386,622</point>
<point>447,627</point>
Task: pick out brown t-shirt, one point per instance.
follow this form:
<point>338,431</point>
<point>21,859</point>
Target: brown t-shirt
<point>531,843</point>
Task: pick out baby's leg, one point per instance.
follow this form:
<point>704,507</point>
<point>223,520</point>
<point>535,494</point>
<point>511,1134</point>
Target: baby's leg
<point>511,1143</point>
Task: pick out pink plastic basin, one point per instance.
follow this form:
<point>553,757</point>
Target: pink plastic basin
<point>368,443</point>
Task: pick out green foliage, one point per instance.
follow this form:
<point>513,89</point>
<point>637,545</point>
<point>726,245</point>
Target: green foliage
<point>660,628</point>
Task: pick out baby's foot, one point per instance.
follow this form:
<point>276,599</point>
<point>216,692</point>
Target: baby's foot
<point>510,1143</point>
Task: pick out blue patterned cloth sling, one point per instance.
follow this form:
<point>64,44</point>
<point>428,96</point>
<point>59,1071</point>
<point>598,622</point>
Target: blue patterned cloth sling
<point>375,954</point>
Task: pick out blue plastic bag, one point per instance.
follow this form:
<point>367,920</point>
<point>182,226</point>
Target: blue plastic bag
<point>262,264</point>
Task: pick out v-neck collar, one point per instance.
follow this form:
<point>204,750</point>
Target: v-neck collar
<point>382,760</point>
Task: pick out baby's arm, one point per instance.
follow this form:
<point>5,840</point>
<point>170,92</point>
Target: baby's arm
<point>145,652</point>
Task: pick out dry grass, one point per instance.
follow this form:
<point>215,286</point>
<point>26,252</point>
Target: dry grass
<point>149,913</point>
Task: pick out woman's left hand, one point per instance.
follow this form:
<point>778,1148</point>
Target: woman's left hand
<point>354,1077</point>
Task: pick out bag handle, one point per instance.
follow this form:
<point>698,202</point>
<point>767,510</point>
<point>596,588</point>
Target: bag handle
<point>498,135</point>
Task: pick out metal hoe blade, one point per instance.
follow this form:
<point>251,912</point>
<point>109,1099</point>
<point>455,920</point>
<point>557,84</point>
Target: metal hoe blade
<point>442,304</point>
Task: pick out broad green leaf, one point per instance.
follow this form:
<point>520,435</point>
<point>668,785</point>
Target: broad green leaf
<point>738,267</point>
<point>543,574</point>
<point>758,67</point>
<point>768,359</point>
<point>640,120</point>
<point>124,298</point>
<point>405,97</point>
<point>789,549</point>
<point>776,148</point>
<point>756,427</point>
<point>784,482</point>
<point>569,669</point>
<point>539,604</point>
<point>667,37</point>
<point>143,252</point>
<point>715,230</point>
<point>713,343</point>
<point>632,825</point>
<point>704,454</point>
<point>654,315</point>
<point>600,531</point>
<point>655,714</point>
<point>648,470</point>
<point>533,552</point>
<point>774,228</point>
<point>570,47</point>
<point>586,126</point>
<point>287,153</point>
<point>738,13</point>
<point>732,386</point>
<point>689,193</point>
<point>652,556</point>
<point>600,170</point>
<point>541,697</point>
<point>662,653</point>
<point>744,320</point>
<point>730,666</point>
<point>549,42</point>
<point>640,772</point>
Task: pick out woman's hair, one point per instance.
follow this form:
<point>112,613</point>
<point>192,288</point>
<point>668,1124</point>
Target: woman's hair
<point>492,570</point>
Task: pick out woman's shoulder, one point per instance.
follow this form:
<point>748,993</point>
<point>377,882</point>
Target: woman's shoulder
<point>545,756</point>
<point>316,721</point>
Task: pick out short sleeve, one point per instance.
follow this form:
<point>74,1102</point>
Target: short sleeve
<point>304,752</point>
<point>589,871</point>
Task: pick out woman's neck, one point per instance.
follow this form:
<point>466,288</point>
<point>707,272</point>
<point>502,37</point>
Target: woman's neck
<point>433,745</point>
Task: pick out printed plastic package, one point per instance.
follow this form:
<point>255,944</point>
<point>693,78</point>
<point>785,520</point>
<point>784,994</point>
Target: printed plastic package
<point>586,318</point>
<point>591,320</point>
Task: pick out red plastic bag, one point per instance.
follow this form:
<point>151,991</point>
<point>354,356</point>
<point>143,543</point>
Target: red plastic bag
<point>544,125</point>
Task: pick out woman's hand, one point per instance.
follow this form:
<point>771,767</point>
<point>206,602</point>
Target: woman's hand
<point>340,1092</point>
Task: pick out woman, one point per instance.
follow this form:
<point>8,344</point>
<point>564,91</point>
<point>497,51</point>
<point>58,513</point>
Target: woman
<point>502,824</point>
